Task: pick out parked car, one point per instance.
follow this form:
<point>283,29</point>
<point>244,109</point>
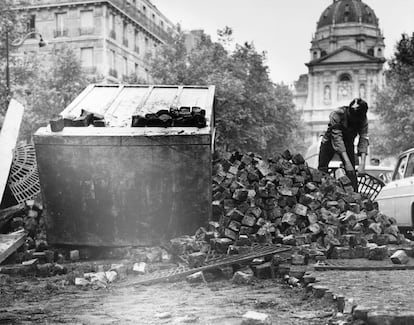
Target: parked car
<point>396,199</point>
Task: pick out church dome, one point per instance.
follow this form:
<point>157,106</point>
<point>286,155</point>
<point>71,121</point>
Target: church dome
<point>347,11</point>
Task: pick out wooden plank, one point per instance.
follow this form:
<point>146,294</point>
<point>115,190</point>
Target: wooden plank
<point>7,214</point>
<point>10,243</point>
<point>8,140</point>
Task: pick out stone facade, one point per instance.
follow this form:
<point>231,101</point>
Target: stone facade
<point>112,38</point>
<point>346,61</point>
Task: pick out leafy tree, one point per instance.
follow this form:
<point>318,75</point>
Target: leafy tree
<point>46,86</point>
<point>252,114</point>
<point>12,26</point>
<point>395,103</point>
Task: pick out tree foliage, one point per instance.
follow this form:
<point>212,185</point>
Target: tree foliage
<point>12,26</point>
<point>395,103</point>
<point>252,113</point>
<point>45,85</point>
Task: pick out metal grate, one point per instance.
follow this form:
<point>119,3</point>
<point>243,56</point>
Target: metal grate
<point>180,272</point>
<point>24,178</point>
<point>369,186</point>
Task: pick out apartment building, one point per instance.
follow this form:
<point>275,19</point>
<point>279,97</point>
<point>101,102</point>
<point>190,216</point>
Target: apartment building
<point>111,37</point>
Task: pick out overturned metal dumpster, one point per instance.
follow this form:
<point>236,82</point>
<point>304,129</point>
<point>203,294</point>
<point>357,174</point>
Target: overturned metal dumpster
<point>121,185</point>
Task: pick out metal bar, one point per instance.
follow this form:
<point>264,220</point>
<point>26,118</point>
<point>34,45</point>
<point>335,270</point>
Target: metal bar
<point>176,274</point>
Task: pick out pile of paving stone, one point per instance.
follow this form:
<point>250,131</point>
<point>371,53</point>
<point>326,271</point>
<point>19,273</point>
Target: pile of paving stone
<point>282,200</point>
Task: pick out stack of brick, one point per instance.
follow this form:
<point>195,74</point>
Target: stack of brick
<point>282,200</point>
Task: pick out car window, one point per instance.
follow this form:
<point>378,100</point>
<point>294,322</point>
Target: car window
<point>409,170</point>
<point>399,171</point>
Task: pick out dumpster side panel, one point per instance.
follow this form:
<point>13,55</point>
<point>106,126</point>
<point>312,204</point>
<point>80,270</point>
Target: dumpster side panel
<point>115,195</point>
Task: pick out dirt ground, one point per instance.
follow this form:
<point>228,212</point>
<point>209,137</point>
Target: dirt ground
<point>52,301</point>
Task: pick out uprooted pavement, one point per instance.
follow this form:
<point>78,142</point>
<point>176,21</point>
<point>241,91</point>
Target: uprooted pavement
<point>278,202</point>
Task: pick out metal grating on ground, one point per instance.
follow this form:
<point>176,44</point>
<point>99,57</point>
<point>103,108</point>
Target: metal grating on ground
<point>24,177</point>
<point>181,272</point>
<point>361,265</point>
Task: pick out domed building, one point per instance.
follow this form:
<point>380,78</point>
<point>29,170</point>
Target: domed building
<point>346,61</point>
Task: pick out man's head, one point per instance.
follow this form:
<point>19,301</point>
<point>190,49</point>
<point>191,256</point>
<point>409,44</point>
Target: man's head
<point>358,107</point>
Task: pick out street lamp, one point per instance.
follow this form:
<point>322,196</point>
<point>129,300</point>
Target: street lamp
<point>17,44</point>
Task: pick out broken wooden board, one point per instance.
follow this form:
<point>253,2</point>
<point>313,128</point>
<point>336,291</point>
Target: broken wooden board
<point>8,139</point>
<point>10,243</point>
<point>7,214</point>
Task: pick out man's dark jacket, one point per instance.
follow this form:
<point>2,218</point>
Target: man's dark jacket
<point>342,133</point>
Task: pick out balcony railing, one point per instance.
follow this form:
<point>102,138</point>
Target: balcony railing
<point>125,42</point>
<point>112,34</point>
<point>113,73</point>
<point>86,31</point>
<point>61,33</point>
<point>121,4</point>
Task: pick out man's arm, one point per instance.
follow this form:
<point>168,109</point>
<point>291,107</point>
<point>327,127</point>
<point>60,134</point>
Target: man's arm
<point>338,139</point>
<point>363,145</point>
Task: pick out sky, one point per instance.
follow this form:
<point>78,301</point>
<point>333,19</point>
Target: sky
<point>281,28</point>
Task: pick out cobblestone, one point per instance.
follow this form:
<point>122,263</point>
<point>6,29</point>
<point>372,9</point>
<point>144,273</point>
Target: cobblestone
<point>382,297</point>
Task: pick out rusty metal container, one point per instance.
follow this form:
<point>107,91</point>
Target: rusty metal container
<point>120,185</point>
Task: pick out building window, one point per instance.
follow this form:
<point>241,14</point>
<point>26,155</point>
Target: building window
<point>87,61</point>
<point>327,94</point>
<point>86,22</point>
<point>112,59</point>
<point>345,87</point>
<point>362,92</point>
<point>111,21</point>
<point>112,64</point>
<point>136,41</point>
<point>125,67</point>
<point>31,25</point>
<point>153,17</point>
<point>379,52</point>
<point>371,51</point>
<point>162,24</point>
<point>144,9</point>
<point>136,69</point>
<point>315,55</point>
<point>125,34</point>
<point>61,30</point>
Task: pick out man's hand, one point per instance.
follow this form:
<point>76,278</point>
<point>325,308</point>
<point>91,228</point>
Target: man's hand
<point>361,167</point>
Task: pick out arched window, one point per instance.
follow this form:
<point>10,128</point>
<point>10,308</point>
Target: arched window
<point>362,92</point>
<point>327,93</point>
<point>345,87</point>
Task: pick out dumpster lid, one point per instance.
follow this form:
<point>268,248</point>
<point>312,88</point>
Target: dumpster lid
<point>118,103</point>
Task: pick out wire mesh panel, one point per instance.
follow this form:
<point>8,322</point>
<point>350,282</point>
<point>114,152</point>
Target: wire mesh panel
<point>369,186</point>
<point>24,178</point>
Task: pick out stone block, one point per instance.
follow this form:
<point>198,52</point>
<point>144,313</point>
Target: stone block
<point>378,253</point>
<point>399,257</point>
<point>221,245</point>
<point>341,253</point>
<point>248,220</point>
<point>289,218</point>
<point>255,318</point>
<point>196,259</point>
<point>74,255</point>
<point>197,277</point>
<point>297,259</point>
<point>242,278</point>
<point>300,210</point>
<point>230,234</point>
<point>263,271</point>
